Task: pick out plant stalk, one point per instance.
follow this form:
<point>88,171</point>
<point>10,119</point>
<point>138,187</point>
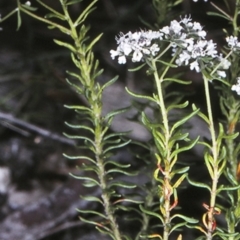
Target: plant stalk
<point>214,163</point>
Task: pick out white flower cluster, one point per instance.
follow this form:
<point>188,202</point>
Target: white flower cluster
<point>187,40</point>
<point>195,51</point>
<point>138,44</point>
<point>182,30</point>
<point>236,87</point>
<point>233,43</point>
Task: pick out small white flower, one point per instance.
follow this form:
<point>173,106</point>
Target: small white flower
<point>154,49</point>
<point>114,54</point>
<point>186,20</point>
<point>146,51</point>
<point>175,27</point>
<point>197,26</point>
<point>225,64</point>
<point>122,60</point>
<point>236,87</point>
<point>184,58</point>
<point>137,56</point>
<point>202,34</point>
<point>221,74</point>
<point>195,65</point>
<point>126,48</point>
<point>232,41</point>
<point>211,49</point>
<point>165,30</point>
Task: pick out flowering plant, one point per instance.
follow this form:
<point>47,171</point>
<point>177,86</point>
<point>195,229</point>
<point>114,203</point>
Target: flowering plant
<point>180,45</point>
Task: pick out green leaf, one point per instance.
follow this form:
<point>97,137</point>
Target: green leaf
<point>32,9</point>
<point>208,160</point>
<point>54,15</point>
<point>187,219</point>
<point>167,64</point>
<point>92,212</point>
<point>75,75</point>
<point>222,167</point>
<point>19,20</point>
<point>96,224</point>
<point>97,73</point>
<point>115,170</point>
<point>177,226</point>
<point>89,184</point>
<point>87,109</point>
<point>227,236</point>
<point>116,146</point>
<point>184,119</point>
<point>66,45</point>
<point>200,114</point>
<point>116,112</point>
<point>79,157</point>
<point>85,13</point>
<point>117,134</point>
<point>198,184</point>
<point>184,82</point>
<point>176,106</point>
<point>219,15</point>
<point>178,136</point>
<point>122,184</point>
<point>110,82</point>
<point>73,2</point>
<point>92,199</point>
<point>77,88</point>
<point>117,164</point>
<point>180,170</point>
<point>205,144</point>
<point>104,230</point>
<point>137,68</point>
<point>151,213</point>
<point>88,179</point>
<point>227,188</point>
<point>91,168</point>
<point>80,137</point>
<point>185,148</point>
<point>179,181</point>
<point>90,46</point>
<point>140,96</point>
<point>230,177</point>
<point>129,200</point>
<point>80,127</point>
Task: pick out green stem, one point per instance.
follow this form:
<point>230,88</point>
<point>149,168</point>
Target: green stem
<point>74,34</point>
<point>166,188</point>
<point>161,103</point>
<point>50,9</point>
<point>101,176</point>
<point>53,24</point>
<point>9,15</point>
<point>235,18</point>
<point>214,162</point>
